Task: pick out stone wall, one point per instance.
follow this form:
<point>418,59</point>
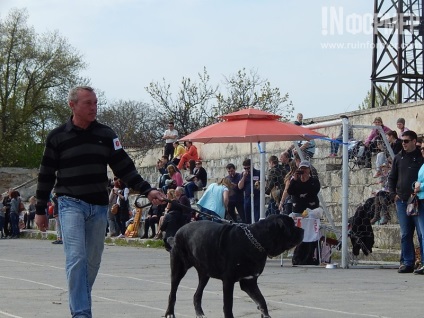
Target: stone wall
<point>216,156</point>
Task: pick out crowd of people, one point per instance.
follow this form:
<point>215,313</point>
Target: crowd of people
<point>83,202</point>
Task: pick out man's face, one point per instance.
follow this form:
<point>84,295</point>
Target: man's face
<point>408,144</point>
<point>170,126</point>
<point>231,172</point>
<point>284,158</point>
<point>299,117</point>
<point>85,108</point>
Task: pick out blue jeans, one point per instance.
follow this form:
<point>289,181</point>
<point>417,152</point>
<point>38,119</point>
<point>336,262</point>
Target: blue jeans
<point>83,233</point>
<point>248,209</point>
<point>408,224</point>
<point>1,226</point>
<point>335,145</point>
<point>203,217</point>
<point>272,208</point>
<point>190,188</point>
<point>14,224</point>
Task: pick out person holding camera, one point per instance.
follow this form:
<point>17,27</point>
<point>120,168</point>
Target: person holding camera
<point>304,189</point>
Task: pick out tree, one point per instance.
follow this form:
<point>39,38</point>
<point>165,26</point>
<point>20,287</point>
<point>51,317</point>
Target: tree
<point>189,110</point>
<point>381,92</point>
<point>134,122</point>
<point>246,91</point>
<point>200,104</point>
<point>36,71</point>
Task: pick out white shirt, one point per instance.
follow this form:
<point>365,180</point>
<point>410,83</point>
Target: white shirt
<point>172,132</point>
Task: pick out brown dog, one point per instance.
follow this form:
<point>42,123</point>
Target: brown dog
<point>229,252</point>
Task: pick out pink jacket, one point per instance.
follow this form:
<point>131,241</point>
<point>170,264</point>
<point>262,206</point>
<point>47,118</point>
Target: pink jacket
<point>178,179</point>
<point>374,133</point>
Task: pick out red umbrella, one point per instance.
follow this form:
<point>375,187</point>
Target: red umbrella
<point>251,125</point>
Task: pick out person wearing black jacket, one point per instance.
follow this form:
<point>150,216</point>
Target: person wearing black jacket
<point>403,174</point>
<point>74,163</point>
<point>179,214</point>
<point>198,181</point>
<point>152,218</point>
<point>304,189</point>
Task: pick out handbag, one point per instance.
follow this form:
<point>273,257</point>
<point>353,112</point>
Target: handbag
<point>412,205</point>
<point>115,208</point>
<point>21,206</point>
<point>276,194</point>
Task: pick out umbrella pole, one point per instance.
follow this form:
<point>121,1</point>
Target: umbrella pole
<point>262,180</point>
<point>252,205</point>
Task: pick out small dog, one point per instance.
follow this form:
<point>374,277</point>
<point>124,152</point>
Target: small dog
<point>229,252</point>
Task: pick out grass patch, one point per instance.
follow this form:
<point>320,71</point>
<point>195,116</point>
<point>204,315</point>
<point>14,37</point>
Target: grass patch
<point>136,243</point>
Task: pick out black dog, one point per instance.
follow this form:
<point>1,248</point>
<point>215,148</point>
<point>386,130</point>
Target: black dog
<point>229,252</point>
<point>362,234</point>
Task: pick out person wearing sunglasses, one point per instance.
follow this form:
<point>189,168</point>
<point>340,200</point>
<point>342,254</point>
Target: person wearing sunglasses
<point>403,174</point>
<point>245,186</point>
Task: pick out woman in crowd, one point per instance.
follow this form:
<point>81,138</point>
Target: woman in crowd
<point>215,199</point>
<point>30,215</point>
<point>176,180</point>
<point>14,213</point>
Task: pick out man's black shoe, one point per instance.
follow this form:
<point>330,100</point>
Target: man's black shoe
<point>403,269</point>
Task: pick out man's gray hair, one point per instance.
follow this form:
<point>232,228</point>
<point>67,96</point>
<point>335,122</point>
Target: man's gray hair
<point>180,189</point>
<point>73,92</point>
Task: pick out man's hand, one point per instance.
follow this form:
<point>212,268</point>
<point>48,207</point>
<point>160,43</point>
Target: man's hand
<point>156,197</point>
<point>42,222</point>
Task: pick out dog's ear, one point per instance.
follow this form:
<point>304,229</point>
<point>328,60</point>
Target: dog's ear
<point>283,221</point>
<point>171,241</point>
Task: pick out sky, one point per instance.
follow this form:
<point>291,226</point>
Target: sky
<point>319,52</point>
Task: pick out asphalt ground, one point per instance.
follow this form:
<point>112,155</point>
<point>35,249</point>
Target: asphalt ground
<point>135,282</point>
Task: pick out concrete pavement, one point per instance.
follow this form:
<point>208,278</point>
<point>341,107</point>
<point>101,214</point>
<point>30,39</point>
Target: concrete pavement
<point>134,282</point>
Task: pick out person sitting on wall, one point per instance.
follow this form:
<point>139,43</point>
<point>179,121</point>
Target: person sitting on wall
<point>196,181</point>
<point>371,141</point>
<point>190,154</point>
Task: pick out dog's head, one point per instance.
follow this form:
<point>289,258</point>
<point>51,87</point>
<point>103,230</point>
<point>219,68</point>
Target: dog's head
<point>278,233</point>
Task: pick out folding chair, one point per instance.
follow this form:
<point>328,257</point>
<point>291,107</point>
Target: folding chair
<point>328,244</point>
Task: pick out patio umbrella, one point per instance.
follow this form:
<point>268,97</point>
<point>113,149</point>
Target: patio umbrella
<point>252,125</point>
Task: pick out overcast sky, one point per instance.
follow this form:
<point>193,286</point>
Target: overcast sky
<point>130,43</point>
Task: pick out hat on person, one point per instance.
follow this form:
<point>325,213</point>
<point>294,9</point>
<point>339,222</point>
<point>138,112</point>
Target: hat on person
<point>199,161</point>
<point>305,163</point>
<point>377,119</point>
<point>401,120</point>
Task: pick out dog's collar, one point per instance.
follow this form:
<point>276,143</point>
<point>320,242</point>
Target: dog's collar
<point>251,237</point>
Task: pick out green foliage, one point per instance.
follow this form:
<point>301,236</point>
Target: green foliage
<point>382,92</point>
<point>36,71</point>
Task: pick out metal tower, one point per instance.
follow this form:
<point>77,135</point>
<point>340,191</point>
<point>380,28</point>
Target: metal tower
<point>397,60</point>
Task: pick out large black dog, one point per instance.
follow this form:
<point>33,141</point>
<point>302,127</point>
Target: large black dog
<point>229,252</point>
